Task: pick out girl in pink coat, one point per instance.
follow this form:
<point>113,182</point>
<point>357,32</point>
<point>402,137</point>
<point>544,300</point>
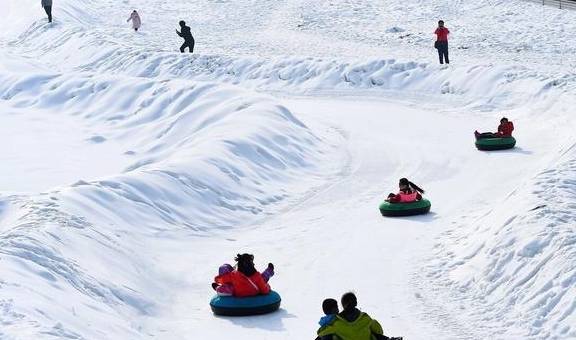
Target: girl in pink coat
<point>409,192</point>
<point>136,22</point>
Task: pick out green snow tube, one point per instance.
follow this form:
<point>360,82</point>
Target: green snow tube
<point>244,306</point>
<point>405,209</point>
<point>490,144</point>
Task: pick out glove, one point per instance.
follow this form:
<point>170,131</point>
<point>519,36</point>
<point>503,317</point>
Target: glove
<point>270,266</point>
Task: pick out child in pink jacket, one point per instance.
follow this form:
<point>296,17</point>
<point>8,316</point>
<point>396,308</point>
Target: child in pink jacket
<point>409,192</point>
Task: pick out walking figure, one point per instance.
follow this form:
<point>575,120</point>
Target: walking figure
<point>47,5</point>
<point>441,43</point>
<point>136,21</point>
<point>187,35</point>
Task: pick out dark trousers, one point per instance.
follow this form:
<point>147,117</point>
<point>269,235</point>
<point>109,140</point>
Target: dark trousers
<point>487,135</point>
<point>189,44</point>
<point>48,10</point>
<point>442,47</point>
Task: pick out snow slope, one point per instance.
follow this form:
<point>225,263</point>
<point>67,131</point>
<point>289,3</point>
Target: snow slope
<point>190,153</point>
<point>133,172</point>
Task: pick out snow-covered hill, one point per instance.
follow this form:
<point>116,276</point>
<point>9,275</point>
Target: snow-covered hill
<point>131,172</point>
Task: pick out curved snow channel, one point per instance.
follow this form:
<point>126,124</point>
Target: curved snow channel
<point>81,261</point>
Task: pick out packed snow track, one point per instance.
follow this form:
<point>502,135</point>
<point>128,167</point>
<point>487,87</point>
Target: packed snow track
<point>130,172</point>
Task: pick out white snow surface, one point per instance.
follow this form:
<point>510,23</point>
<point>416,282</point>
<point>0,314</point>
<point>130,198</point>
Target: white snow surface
<point>130,172</point>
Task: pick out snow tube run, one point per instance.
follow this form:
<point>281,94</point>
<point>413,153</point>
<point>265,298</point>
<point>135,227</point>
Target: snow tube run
<point>243,306</point>
<point>405,209</point>
<point>489,144</point>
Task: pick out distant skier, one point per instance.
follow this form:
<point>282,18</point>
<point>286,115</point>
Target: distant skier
<point>136,21</point>
<point>441,43</point>
<point>504,130</point>
<point>187,35</point>
<point>47,5</point>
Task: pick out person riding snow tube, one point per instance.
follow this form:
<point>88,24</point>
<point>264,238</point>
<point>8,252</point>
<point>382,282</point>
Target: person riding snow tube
<point>244,306</point>
<point>500,140</point>
<point>244,291</point>
<point>407,202</point>
<point>497,143</point>
<point>405,209</point>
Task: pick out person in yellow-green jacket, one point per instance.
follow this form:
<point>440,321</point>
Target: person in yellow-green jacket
<point>352,324</point>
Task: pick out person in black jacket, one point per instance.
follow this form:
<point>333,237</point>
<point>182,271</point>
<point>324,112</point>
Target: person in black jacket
<point>187,35</point>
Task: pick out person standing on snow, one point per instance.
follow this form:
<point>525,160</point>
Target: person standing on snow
<point>47,5</point>
<point>136,21</point>
<point>187,35</point>
<point>441,43</point>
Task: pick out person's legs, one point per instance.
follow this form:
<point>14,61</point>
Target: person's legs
<point>485,135</point>
<point>443,52</point>
<point>440,55</point>
<point>225,290</point>
<point>183,47</point>
<point>48,10</point>
<point>190,44</point>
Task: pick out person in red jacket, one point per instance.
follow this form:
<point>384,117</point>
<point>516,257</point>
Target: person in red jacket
<point>504,130</point>
<point>409,192</point>
<point>441,43</point>
<point>243,281</point>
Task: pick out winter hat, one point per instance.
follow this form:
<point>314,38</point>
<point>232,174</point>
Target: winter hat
<point>225,269</point>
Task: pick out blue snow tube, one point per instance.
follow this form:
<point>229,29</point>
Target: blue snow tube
<point>405,209</point>
<point>243,306</point>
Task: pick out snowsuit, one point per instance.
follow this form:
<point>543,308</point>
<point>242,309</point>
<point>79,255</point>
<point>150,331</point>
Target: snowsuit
<point>441,44</point>
<point>353,325</point>
<point>233,282</point>
<point>504,130</point>
<point>188,39</point>
<point>404,197</point>
<point>47,5</point>
<point>136,21</point>
<point>324,322</point>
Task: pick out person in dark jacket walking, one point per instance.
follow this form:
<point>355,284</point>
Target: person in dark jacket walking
<point>187,35</point>
<point>441,43</point>
<point>47,5</point>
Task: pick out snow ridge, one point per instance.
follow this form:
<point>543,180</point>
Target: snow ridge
<point>519,259</point>
<point>206,158</point>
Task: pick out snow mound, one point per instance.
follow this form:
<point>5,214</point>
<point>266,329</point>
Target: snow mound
<point>98,51</point>
<point>207,158</point>
<point>85,260</point>
<point>517,260</point>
